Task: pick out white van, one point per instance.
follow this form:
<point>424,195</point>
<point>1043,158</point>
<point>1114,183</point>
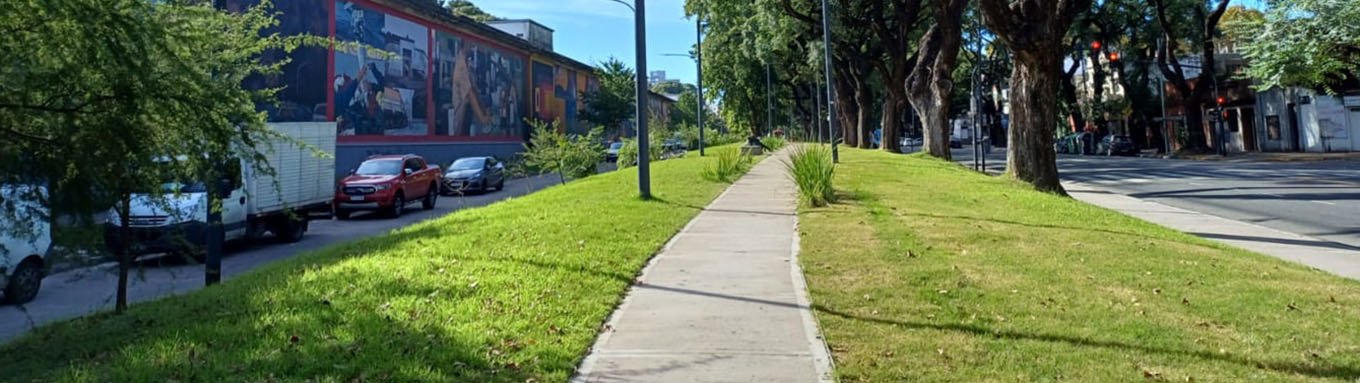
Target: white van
<point>252,203</point>
<point>25,239</point>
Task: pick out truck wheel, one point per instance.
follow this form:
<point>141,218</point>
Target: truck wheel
<point>23,285</point>
<point>289,230</point>
<point>398,205</point>
<point>430,197</point>
<point>500,185</point>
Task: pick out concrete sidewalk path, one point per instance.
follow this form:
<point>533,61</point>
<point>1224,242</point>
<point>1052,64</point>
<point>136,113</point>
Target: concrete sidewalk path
<point>724,301</point>
<point>1333,257</point>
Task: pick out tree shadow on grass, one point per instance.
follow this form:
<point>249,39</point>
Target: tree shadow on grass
<point>1321,371</point>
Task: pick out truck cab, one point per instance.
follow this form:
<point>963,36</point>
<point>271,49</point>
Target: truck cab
<point>25,240</point>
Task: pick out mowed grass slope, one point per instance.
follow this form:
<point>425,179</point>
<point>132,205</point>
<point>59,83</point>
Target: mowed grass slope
<point>512,292</point>
<point>928,272</point>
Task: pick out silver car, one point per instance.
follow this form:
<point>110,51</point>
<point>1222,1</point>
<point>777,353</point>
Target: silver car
<point>474,173</point>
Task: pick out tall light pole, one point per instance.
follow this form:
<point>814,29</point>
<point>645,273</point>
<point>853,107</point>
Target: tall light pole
<point>830,88</point>
<point>699,90</point>
<point>640,35</point>
<point>699,77</point>
<point>769,103</point>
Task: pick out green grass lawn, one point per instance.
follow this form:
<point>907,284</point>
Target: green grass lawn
<point>926,271</point>
<point>512,292</point>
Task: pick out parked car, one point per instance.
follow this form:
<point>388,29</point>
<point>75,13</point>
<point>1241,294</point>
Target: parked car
<point>1075,143</point>
<point>612,153</point>
<point>387,183</point>
<point>24,247</point>
<point>474,173</point>
<point>253,202</point>
<point>673,148</point>
<point>1113,145</point>
<point>955,142</point>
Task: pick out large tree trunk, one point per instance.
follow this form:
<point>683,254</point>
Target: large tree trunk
<point>1076,118</point>
<point>893,102</point>
<point>1029,154</point>
<point>932,80</point>
<point>863,133</point>
<point>124,254</point>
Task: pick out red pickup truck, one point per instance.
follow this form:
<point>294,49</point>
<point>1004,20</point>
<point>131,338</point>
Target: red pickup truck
<point>386,184</point>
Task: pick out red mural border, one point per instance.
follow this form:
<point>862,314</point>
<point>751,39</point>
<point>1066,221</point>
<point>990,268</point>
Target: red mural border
<point>429,81</point>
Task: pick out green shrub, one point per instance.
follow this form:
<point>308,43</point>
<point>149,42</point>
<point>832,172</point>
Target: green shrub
<point>727,166</point>
<point>812,169</point>
<point>774,142</point>
<point>629,152</point>
<point>569,156</point>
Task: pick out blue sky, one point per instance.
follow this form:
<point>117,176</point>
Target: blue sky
<point>592,30</point>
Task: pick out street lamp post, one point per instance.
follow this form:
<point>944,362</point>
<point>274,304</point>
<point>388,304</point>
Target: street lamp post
<point>830,88</point>
<point>640,37</point>
<point>769,103</point>
<point>699,77</point>
<point>699,90</point>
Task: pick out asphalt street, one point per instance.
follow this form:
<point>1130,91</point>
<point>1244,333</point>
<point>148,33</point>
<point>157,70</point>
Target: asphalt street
<point>1320,199</point>
<point>87,290</point>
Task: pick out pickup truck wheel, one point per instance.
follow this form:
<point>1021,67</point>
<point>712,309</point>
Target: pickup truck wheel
<point>23,285</point>
<point>500,185</point>
<point>431,197</point>
<point>398,205</point>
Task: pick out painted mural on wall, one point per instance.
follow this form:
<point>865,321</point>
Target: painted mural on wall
<point>479,90</point>
<point>302,82</point>
<point>377,94</point>
<point>557,96</point>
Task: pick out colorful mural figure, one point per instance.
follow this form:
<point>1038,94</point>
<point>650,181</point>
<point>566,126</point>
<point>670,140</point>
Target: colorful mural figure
<point>377,93</point>
<point>545,96</point>
<point>479,90</point>
<point>301,82</point>
<point>557,96</point>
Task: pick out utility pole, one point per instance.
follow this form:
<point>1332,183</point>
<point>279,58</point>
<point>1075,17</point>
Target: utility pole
<point>830,89</point>
<point>769,103</point>
<point>817,103</point>
<point>699,77</point>
<point>644,159</point>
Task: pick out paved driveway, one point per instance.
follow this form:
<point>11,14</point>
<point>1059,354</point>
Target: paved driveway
<point>83,291</point>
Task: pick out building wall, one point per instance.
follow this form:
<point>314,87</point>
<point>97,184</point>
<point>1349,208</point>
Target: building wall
<point>415,84</point>
<point>1325,123</point>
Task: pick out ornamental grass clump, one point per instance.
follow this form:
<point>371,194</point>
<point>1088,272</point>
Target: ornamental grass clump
<point>811,168</point>
<point>729,164</point>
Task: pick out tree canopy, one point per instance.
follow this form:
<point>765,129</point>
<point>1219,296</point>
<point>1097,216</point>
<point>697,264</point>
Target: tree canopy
<point>613,103</point>
<point>465,8</point>
<point>1307,43</point>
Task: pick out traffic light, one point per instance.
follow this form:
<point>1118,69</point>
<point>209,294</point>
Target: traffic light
<point>1220,100</point>
<point>1114,56</point>
<point>1095,45</point>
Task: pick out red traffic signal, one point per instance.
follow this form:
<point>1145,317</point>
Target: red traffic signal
<point>1114,56</point>
<point>1220,100</point>
<point>1095,45</point>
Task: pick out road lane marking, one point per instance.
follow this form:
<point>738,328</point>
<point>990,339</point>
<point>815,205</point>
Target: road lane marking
<point>1325,202</point>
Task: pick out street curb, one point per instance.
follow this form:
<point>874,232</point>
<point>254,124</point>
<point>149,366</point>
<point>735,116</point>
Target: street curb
<point>821,353</point>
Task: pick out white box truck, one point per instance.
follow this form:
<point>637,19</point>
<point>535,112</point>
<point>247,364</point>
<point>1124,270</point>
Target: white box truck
<point>25,240</point>
<point>303,185</point>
